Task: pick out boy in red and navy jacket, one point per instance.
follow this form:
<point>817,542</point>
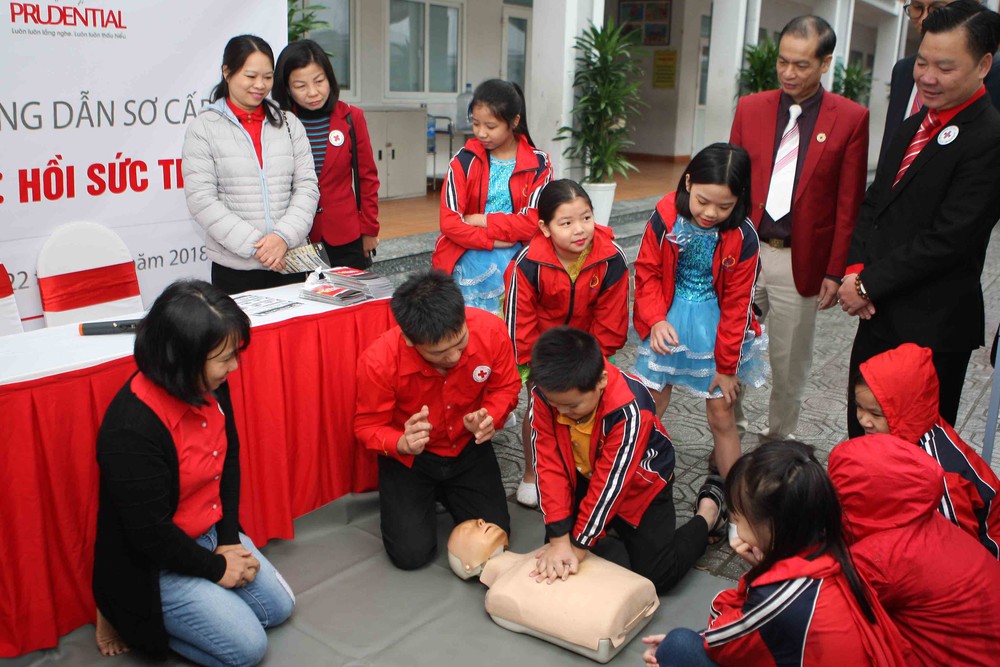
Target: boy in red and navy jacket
<point>541,294</point>
<point>603,459</point>
<point>431,392</point>
<point>465,192</point>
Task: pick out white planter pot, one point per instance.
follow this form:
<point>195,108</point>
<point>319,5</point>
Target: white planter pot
<point>602,196</point>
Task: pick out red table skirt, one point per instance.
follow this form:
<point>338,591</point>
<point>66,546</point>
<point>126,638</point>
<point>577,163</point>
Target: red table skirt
<point>294,398</point>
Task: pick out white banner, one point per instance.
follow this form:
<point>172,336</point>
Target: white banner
<point>94,99</point>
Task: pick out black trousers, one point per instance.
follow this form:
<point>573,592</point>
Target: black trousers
<point>951,366</point>
<point>469,486</point>
<point>350,254</point>
<point>656,548</point>
<point>234,281</point>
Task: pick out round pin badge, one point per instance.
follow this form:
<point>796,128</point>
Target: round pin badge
<point>948,135</point>
<point>821,137</point>
<point>337,138</point>
<point>482,373</point>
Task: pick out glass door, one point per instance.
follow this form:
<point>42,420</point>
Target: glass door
<point>516,46</point>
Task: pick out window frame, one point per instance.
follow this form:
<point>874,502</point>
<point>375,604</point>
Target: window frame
<point>425,94</point>
<point>352,94</point>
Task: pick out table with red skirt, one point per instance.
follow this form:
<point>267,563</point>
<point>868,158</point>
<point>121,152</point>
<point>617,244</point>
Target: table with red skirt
<point>294,402</point>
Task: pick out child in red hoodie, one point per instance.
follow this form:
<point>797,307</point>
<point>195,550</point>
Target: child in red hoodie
<point>571,273</point>
<point>930,576</point>
<point>897,392</point>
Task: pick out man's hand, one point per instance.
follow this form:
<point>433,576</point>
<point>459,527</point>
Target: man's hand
<point>416,433</point>
<point>851,302</point>
<point>661,335</point>
<point>479,424</point>
<point>827,294</point>
<point>271,251</point>
<point>475,220</point>
<point>729,385</point>
<point>557,560</point>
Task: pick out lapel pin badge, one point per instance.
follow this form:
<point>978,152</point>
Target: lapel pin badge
<point>821,137</point>
<point>948,135</point>
<point>337,138</point>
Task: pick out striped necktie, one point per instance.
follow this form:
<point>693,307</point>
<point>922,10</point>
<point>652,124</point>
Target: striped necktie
<point>779,193</point>
<point>919,140</point>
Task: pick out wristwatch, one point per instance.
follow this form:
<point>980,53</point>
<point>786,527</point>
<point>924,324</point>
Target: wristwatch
<point>860,286</point>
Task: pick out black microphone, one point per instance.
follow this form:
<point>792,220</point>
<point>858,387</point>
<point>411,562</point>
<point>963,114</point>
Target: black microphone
<point>99,328</point>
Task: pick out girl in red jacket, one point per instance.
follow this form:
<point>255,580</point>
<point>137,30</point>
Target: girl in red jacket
<point>694,284</point>
<point>802,602</point>
<point>897,392</point>
<point>347,217</point>
<point>489,202</point>
<point>572,273</point>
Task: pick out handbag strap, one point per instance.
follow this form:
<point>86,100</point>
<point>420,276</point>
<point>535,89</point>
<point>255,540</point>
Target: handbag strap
<point>354,161</point>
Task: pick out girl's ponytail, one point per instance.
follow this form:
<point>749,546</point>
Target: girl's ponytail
<point>522,127</point>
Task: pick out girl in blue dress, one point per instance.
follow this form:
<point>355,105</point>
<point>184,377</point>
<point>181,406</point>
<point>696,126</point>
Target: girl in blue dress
<point>694,281</point>
<point>489,203</point>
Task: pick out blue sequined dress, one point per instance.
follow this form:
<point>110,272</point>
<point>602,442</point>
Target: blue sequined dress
<point>694,314</point>
<point>479,273</point>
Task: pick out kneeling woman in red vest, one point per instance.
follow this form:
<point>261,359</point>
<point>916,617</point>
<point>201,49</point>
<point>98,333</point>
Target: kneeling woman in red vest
<point>171,569</point>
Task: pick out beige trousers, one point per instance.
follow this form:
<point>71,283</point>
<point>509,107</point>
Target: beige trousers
<point>790,321</point>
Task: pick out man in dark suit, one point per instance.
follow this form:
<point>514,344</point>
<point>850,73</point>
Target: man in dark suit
<point>903,98</point>
<point>918,249</point>
<point>809,155</point>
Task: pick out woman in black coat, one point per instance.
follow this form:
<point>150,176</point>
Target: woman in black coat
<point>171,569</point>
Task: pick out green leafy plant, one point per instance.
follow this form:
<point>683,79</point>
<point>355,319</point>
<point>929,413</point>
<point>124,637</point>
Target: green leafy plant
<point>606,87</point>
<point>760,72</point>
<point>852,82</point>
<point>302,19</point>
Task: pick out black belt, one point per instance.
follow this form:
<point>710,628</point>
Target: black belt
<point>777,243</point>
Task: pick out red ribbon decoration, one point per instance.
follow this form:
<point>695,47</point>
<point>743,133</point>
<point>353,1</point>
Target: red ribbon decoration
<point>80,289</point>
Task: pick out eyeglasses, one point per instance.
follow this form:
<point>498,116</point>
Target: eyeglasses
<point>915,10</point>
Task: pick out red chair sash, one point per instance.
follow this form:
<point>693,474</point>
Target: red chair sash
<point>6,289</point>
<point>80,289</point>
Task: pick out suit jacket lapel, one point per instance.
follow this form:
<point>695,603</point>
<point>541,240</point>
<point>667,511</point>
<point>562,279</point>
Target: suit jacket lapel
<point>932,148</point>
<point>825,122</point>
<point>766,136</point>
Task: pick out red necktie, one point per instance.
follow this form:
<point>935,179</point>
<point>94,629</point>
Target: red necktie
<point>919,140</point>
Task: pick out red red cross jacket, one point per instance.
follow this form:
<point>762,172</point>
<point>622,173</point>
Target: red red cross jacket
<point>932,578</point>
<point>338,220</point>
<point>540,294</point>
<point>905,384</point>
<point>800,612</point>
<point>465,191</point>
<point>734,272</point>
<point>631,456</point>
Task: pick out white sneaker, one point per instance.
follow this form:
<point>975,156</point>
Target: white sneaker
<point>511,421</point>
<point>527,494</point>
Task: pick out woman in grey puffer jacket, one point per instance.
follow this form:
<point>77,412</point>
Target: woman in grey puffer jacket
<point>248,172</point>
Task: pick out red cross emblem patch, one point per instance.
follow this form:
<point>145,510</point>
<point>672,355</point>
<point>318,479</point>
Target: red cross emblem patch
<point>482,373</point>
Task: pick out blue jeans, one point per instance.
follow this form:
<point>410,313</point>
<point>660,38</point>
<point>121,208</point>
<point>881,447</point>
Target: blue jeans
<point>212,625</point>
<point>684,648</point>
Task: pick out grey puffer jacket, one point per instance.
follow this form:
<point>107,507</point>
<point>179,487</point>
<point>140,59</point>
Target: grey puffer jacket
<point>237,201</point>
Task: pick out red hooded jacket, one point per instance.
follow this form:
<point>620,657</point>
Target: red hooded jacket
<point>540,294</point>
<point>631,456</point>
<point>465,191</point>
<point>800,612</point>
<point>734,276</point>
<point>905,384</point>
<point>934,582</point>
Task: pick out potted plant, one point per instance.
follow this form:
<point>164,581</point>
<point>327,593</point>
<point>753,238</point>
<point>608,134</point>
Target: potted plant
<point>302,19</point>
<point>760,73</point>
<point>854,83</point>
<point>607,95</point>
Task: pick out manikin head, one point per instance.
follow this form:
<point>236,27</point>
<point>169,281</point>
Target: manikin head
<point>472,543</point>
